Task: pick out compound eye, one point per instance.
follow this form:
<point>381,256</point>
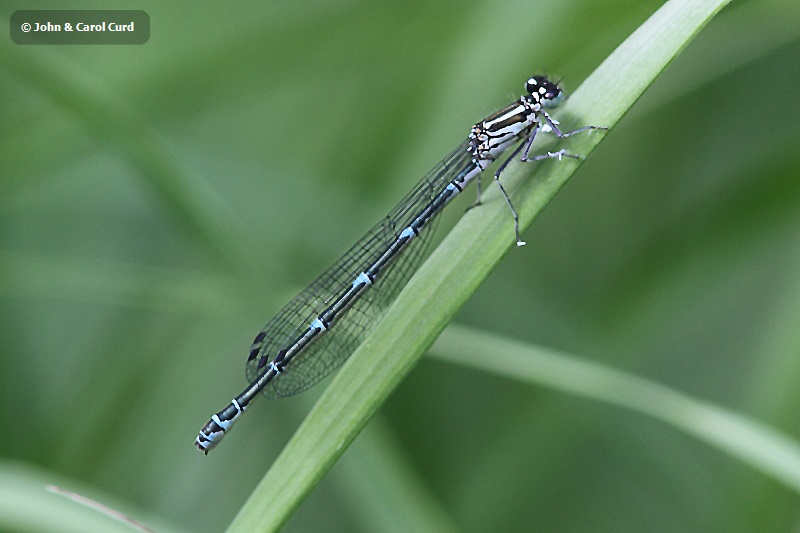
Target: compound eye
<point>552,99</point>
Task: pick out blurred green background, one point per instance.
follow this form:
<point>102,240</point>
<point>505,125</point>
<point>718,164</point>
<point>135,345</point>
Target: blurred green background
<point>159,203</point>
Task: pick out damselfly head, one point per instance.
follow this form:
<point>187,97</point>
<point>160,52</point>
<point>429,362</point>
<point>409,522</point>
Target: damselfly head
<point>544,91</point>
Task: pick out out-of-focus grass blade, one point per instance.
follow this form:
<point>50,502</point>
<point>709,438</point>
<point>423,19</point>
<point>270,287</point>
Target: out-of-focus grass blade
<point>765,449</point>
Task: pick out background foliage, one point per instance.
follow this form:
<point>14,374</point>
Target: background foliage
<point>158,203</point>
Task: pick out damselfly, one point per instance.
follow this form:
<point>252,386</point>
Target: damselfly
<point>318,330</point>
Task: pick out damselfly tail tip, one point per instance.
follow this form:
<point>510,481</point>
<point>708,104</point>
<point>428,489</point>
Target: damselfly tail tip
<point>203,445</point>
<point>521,243</point>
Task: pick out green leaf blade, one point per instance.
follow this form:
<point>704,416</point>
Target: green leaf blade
<point>456,269</point>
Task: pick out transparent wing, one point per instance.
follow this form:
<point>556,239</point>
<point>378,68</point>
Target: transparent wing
<point>332,349</point>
